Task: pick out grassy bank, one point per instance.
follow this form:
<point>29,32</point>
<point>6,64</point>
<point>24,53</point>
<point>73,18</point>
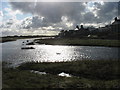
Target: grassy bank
<point>68,41</point>
<point>13,38</point>
<point>85,74</point>
<point>80,42</point>
<point>2,40</point>
<point>8,39</point>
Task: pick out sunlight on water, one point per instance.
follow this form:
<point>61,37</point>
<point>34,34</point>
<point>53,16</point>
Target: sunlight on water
<point>50,53</point>
<point>12,52</point>
<point>64,75</point>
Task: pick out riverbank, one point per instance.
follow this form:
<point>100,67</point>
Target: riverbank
<point>2,40</point>
<point>83,74</point>
<point>14,38</point>
<point>80,42</point>
<point>68,41</point>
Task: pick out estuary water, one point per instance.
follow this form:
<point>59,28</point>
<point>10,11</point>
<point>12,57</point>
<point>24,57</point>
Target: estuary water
<point>12,52</point>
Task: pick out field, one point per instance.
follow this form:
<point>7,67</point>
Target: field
<point>80,42</point>
<point>84,74</point>
<point>67,41</point>
<point>2,40</point>
<point>14,38</point>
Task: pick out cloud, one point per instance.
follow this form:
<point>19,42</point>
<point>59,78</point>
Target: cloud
<point>107,11</point>
<point>51,11</point>
<point>40,31</point>
<point>8,12</point>
<point>1,17</point>
<point>11,23</point>
<point>60,15</point>
<point>34,25</point>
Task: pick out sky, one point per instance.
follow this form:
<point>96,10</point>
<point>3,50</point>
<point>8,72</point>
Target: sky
<point>49,18</point>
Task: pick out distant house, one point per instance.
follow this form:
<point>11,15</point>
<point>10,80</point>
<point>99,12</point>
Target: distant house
<point>106,28</point>
<point>115,26</point>
<point>108,31</point>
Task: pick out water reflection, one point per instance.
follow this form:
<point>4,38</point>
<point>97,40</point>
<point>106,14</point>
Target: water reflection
<point>50,53</point>
<point>11,52</point>
<point>64,75</point>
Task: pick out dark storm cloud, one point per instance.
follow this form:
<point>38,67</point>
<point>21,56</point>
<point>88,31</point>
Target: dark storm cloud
<point>53,12</point>
<point>107,11</point>
<point>89,17</point>
<point>119,9</point>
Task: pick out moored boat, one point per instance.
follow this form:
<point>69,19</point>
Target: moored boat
<point>27,48</point>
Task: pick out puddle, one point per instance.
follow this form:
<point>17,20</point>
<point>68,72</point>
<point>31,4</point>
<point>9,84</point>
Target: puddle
<point>41,73</point>
<point>64,74</point>
<point>44,73</point>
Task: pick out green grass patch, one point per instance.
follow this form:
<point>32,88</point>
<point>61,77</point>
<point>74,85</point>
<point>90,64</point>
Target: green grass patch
<point>94,69</point>
<point>85,74</point>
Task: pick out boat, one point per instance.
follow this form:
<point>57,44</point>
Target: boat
<point>27,48</point>
<point>58,53</point>
<point>30,43</point>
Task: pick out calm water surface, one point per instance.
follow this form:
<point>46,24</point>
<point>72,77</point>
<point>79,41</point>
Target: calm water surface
<point>11,52</point>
